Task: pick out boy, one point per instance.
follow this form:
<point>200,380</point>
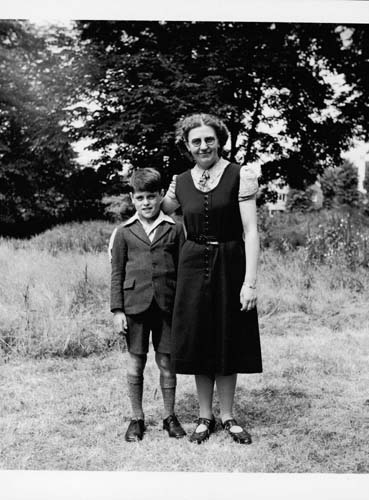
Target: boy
<point>143,279</point>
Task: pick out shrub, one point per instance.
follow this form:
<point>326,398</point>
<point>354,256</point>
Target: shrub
<point>118,207</point>
<point>340,185</point>
<point>300,200</point>
<point>282,231</point>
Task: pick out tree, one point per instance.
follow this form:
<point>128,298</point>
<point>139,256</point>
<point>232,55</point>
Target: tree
<point>347,192</point>
<point>37,82</point>
<point>328,184</point>
<point>258,76</point>
<point>366,179</point>
<point>340,185</point>
<point>354,63</point>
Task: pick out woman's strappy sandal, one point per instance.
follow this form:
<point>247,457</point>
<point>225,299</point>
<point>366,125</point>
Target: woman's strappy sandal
<point>200,437</point>
<point>242,437</point>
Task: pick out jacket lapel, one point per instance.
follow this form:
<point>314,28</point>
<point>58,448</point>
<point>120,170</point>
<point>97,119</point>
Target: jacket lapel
<point>161,231</point>
<point>139,232</point>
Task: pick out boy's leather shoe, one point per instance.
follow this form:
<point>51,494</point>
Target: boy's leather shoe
<point>200,437</point>
<point>173,427</point>
<point>135,431</point>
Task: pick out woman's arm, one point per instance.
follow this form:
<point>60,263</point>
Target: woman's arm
<point>170,203</point>
<point>249,221</point>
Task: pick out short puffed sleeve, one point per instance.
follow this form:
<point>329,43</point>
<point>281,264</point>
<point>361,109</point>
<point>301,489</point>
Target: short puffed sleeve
<point>248,183</point>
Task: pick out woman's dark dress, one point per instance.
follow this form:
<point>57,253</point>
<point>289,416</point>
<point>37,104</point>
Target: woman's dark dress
<point>210,333</point>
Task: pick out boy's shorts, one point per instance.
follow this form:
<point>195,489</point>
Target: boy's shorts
<point>140,325</point>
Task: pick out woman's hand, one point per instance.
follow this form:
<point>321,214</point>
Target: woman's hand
<point>248,297</point>
<point>170,203</point>
<point>172,188</point>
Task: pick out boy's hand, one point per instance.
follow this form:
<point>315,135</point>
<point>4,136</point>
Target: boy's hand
<point>120,322</point>
<point>120,327</point>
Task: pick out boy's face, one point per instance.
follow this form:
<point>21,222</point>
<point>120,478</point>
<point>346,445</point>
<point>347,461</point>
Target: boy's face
<point>147,204</point>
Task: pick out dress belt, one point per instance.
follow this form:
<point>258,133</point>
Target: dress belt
<point>205,239</point>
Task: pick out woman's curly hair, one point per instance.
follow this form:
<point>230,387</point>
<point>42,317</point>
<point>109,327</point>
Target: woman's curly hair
<point>186,124</point>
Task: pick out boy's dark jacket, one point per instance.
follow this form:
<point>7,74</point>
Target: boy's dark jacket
<point>143,270</point>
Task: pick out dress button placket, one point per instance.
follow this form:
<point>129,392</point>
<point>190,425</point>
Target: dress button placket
<point>206,232</point>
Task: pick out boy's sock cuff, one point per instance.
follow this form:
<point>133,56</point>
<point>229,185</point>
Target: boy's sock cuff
<point>168,382</point>
<point>135,379</point>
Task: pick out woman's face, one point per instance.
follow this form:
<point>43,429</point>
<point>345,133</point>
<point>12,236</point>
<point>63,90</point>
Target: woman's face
<point>203,145</point>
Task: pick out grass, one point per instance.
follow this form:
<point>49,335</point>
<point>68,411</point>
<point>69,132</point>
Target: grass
<point>64,404</point>
<point>308,412</point>
<point>53,304</point>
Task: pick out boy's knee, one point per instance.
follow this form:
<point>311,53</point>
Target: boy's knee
<point>136,364</point>
<point>163,362</point>
<point>168,378</point>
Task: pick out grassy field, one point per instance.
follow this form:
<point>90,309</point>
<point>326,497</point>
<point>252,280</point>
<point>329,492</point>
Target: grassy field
<point>64,404</point>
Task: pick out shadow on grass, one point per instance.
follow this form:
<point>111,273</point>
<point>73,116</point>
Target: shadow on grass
<point>270,406</point>
<point>259,407</point>
<point>187,407</point>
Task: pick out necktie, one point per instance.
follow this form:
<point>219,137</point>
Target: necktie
<point>204,179</point>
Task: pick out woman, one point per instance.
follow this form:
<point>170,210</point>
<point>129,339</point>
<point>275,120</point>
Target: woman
<point>215,324</point>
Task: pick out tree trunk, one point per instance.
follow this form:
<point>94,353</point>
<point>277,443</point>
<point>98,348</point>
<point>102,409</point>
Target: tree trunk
<point>254,124</point>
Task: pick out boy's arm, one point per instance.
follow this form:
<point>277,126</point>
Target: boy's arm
<point>118,271</point>
<point>111,243</point>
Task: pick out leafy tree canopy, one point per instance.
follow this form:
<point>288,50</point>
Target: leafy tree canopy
<point>270,82</point>
<point>37,83</point>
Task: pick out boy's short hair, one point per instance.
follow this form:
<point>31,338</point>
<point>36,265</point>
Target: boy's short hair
<point>146,179</point>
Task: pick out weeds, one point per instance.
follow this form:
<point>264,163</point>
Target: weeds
<point>56,302</point>
<point>340,241</point>
<point>329,237</point>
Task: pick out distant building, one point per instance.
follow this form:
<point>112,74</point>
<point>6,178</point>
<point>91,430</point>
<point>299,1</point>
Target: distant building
<point>282,191</point>
<point>317,195</point>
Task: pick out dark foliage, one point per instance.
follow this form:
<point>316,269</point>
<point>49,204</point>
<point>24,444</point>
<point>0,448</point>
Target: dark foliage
<point>152,73</point>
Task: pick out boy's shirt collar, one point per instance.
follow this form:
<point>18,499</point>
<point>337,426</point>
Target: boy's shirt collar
<point>150,228</point>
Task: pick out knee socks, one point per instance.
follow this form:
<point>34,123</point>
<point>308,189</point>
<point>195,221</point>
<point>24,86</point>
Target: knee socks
<point>168,390</point>
<point>135,391</point>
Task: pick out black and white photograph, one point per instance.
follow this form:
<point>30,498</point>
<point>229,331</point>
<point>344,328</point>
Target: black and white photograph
<point>184,249</point>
